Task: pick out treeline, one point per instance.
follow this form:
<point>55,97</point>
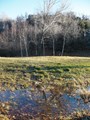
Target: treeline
<point>44,34</point>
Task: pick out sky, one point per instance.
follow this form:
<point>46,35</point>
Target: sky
<point>14,8</point>
<point>81,7</point>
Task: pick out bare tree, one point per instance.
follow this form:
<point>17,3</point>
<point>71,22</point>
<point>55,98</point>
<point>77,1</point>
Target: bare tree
<point>19,34</point>
<point>69,28</point>
<point>24,32</point>
<point>22,28</point>
<point>48,19</point>
<point>35,28</point>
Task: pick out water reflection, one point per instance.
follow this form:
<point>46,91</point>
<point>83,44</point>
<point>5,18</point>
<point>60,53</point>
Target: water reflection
<point>27,101</point>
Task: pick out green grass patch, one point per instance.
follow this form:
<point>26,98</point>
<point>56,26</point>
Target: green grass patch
<point>21,71</point>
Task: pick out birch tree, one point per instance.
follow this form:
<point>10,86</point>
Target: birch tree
<point>48,19</point>
<point>69,28</point>
<point>22,29</point>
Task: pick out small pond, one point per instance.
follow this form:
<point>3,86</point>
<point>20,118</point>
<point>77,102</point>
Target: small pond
<point>30,102</point>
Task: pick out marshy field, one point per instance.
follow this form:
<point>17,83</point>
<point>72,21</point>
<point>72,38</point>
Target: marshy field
<point>45,88</point>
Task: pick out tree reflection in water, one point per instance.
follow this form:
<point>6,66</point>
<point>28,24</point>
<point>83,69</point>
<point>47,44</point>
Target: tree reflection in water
<point>33,103</point>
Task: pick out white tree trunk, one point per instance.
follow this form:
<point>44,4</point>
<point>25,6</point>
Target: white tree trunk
<point>21,47</point>
<point>63,46</point>
<point>43,46</point>
<point>53,47</point>
<point>26,50</point>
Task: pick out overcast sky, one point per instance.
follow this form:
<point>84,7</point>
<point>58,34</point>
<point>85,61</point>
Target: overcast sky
<point>13,8</point>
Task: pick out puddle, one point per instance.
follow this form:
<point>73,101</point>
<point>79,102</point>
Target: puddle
<point>33,102</point>
<point>88,88</point>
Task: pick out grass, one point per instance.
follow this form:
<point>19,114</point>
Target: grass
<point>58,75</point>
<point>17,73</point>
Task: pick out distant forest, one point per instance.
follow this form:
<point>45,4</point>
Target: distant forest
<point>44,34</point>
